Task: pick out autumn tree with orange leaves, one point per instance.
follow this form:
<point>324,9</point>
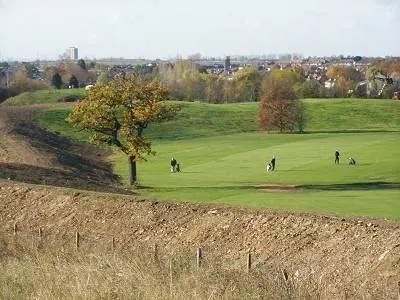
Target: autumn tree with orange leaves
<point>279,107</point>
<point>389,66</point>
<point>117,113</point>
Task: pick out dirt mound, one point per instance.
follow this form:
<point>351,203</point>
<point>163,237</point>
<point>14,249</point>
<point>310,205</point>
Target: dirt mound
<point>31,154</point>
<point>350,257</point>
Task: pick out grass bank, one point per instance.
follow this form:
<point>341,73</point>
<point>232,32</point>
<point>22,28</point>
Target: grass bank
<point>44,96</point>
<point>223,157</point>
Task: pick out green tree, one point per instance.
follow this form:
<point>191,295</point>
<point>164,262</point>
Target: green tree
<point>73,82</point>
<point>248,82</point>
<point>300,116</point>
<point>102,78</point>
<point>229,91</point>
<point>389,90</point>
<point>32,71</point>
<point>82,64</point>
<point>372,87</point>
<point>117,113</point>
<point>213,88</point>
<point>346,72</point>
<point>308,89</point>
<point>279,107</point>
<point>341,88</point>
<point>56,80</point>
<point>4,64</point>
<point>92,64</point>
<point>346,77</point>
<point>183,79</point>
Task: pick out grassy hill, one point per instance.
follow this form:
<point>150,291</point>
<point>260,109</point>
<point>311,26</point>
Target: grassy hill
<point>223,157</point>
<point>44,96</point>
<point>351,115</point>
<point>196,119</point>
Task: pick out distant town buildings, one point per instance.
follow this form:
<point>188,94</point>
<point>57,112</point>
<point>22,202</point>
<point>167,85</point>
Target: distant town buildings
<point>73,53</point>
<point>369,80</point>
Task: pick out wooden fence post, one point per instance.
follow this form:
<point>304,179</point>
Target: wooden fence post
<point>248,261</point>
<point>77,239</point>
<point>15,228</point>
<point>113,243</point>
<point>40,233</point>
<point>285,275</point>
<point>199,257</point>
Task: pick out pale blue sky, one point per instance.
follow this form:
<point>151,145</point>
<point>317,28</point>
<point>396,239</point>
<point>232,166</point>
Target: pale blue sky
<point>161,29</point>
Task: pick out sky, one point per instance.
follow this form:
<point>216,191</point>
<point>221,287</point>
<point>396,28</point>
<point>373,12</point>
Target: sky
<point>44,29</point>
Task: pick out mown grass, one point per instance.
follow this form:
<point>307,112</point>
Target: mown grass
<point>196,119</point>
<point>225,170</point>
<point>54,120</point>
<point>42,96</point>
<point>352,115</point>
<point>223,157</point>
<point>204,119</point>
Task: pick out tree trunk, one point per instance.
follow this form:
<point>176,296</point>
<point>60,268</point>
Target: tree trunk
<point>132,170</point>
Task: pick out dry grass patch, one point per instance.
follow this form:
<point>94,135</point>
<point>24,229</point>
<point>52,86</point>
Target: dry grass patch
<point>51,269</point>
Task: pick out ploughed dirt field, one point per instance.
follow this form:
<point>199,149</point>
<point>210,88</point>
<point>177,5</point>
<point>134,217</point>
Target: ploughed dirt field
<point>62,186</point>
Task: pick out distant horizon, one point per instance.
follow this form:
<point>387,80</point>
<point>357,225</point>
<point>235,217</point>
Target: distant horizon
<point>250,56</point>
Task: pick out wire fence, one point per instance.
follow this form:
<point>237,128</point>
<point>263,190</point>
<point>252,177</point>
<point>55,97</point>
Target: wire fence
<point>84,243</point>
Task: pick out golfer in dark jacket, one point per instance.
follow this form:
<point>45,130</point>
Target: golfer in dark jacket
<point>337,154</point>
<point>173,164</point>
<point>273,163</point>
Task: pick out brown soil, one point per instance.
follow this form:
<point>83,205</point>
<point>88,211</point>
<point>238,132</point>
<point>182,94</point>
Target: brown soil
<point>31,154</point>
<point>345,257</point>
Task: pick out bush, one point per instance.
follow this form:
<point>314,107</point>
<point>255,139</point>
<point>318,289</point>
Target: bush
<point>69,98</point>
<point>6,93</point>
<point>279,107</point>
<point>22,85</point>
<point>308,89</point>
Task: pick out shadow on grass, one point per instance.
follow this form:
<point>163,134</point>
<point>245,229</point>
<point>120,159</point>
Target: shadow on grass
<point>351,131</point>
<point>359,186</point>
<point>92,180</point>
<point>189,188</point>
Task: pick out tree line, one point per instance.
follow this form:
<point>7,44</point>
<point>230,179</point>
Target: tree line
<point>189,81</point>
<point>29,78</point>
